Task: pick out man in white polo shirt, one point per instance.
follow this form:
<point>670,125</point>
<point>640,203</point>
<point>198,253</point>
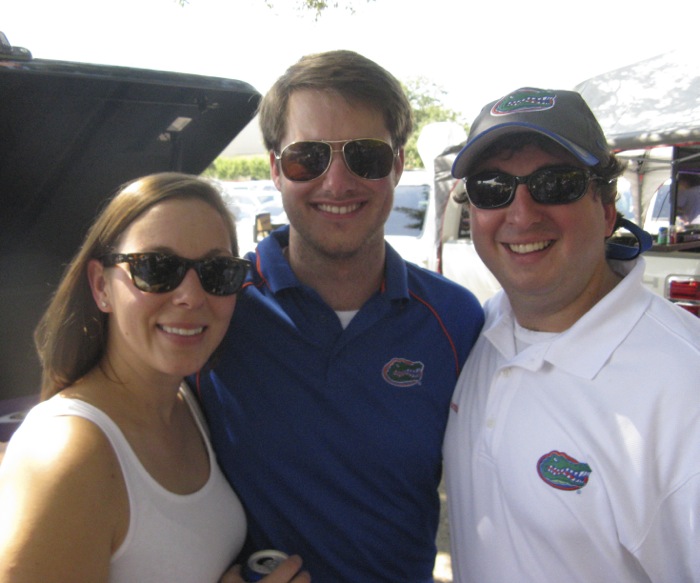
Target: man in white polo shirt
<point>572,451</point>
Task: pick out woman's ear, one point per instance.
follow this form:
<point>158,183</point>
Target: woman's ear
<point>98,285</point>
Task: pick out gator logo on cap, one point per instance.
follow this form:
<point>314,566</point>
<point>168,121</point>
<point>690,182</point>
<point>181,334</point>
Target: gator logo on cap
<point>403,373</point>
<point>524,100</point>
<point>562,471</point>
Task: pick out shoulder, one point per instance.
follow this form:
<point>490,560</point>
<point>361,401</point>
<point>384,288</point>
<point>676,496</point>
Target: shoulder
<point>442,291</point>
<point>61,446</point>
<point>674,324</point>
<point>62,498</point>
<point>453,307</point>
<point>432,279</point>
<point>65,450</point>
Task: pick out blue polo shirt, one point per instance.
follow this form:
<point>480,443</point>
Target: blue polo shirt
<point>332,437</point>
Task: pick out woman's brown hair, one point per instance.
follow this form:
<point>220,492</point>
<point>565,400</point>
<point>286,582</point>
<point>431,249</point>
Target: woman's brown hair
<point>70,337</point>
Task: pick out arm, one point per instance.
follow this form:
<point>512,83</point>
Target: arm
<point>63,504</point>
<point>669,551</point>
<point>287,572</point>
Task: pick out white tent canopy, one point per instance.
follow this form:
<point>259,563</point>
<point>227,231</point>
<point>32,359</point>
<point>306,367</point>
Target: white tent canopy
<point>650,103</point>
<point>645,109</point>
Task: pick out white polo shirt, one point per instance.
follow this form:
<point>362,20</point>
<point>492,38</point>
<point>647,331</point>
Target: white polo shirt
<point>578,459</point>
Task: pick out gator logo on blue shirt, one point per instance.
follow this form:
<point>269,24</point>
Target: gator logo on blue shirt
<point>403,373</point>
<point>563,472</point>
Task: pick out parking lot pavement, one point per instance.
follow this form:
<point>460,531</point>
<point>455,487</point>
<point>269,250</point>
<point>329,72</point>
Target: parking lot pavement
<point>443,563</point>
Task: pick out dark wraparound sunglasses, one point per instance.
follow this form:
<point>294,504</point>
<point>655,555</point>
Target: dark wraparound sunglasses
<point>159,273</point>
<point>554,185</point>
<point>367,158</point>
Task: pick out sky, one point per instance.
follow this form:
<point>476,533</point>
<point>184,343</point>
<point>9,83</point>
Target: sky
<point>476,51</point>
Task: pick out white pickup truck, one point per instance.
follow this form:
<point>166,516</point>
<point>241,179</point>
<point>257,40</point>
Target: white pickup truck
<point>672,270</point>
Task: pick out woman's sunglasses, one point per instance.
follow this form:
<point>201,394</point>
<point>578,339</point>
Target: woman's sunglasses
<point>159,273</point>
<point>367,158</point>
<point>555,185</point>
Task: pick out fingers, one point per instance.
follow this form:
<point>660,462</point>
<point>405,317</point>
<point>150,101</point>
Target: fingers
<point>302,577</point>
<point>288,572</point>
<point>233,575</point>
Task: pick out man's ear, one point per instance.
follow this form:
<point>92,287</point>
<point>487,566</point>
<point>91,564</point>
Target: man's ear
<point>399,161</point>
<point>275,172</point>
<point>610,218</point>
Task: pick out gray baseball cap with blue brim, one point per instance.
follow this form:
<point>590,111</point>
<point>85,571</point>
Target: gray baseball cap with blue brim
<point>564,117</point>
<point>561,115</point>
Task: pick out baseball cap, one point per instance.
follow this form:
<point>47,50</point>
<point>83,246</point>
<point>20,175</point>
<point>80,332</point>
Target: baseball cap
<point>560,115</point>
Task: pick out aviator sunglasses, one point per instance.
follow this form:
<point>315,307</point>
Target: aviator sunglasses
<point>554,185</point>
<point>367,158</point>
<point>159,273</point>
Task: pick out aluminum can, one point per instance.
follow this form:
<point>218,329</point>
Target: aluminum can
<point>672,235</point>
<point>262,563</point>
<point>663,236</point>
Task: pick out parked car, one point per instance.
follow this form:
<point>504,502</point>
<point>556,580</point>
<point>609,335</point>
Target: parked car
<point>659,211</point>
<point>244,203</point>
<point>410,226</point>
<point>70,135</point>
<point>241,202</point>
<point>273,206</point>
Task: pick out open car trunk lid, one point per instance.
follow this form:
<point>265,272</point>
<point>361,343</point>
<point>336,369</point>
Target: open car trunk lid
<point>70,135</point>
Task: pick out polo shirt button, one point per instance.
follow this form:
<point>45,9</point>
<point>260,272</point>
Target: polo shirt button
<point>490,423</point>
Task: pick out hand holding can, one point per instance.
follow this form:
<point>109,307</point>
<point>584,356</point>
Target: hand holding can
<point>271,566</point>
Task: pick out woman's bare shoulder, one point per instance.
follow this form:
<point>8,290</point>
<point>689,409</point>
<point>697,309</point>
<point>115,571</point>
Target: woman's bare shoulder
<point>61,495</point>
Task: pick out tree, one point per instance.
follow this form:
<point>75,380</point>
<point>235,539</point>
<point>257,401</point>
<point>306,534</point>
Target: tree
<point>240,168</point>
<point>426,98</point>
<point>317,6</point>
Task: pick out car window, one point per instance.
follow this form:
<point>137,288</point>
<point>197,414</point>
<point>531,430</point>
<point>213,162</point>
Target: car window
<point>624,198</point>
<point>407,217</point>
<point>662,204</point>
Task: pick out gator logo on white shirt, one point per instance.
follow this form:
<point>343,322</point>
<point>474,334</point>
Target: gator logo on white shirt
<point>563,472</point>
<point>403,373</point>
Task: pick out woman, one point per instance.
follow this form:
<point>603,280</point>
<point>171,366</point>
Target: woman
<point>112,477</point>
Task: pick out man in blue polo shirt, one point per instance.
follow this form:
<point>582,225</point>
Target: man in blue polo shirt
<point>329,401</point>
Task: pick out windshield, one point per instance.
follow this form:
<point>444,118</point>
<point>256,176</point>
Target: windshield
<point>408,215</point>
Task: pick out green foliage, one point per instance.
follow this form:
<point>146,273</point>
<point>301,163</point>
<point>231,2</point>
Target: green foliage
<point>240,168</point>
<point>426,98</point>
<point>318,7</point>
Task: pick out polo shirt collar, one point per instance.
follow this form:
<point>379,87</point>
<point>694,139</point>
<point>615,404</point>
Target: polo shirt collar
<point>274,268</point>
<point>583,349</point>
<point>395,284</point>
<point>271,263</point>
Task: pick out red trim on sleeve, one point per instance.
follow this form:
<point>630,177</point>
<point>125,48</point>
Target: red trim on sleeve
<point>444,330</point>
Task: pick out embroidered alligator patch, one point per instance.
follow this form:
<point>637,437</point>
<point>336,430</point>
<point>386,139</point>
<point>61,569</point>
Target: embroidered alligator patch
<point>403,373</point>
<point>524,100</point>
<point>562,471</point>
